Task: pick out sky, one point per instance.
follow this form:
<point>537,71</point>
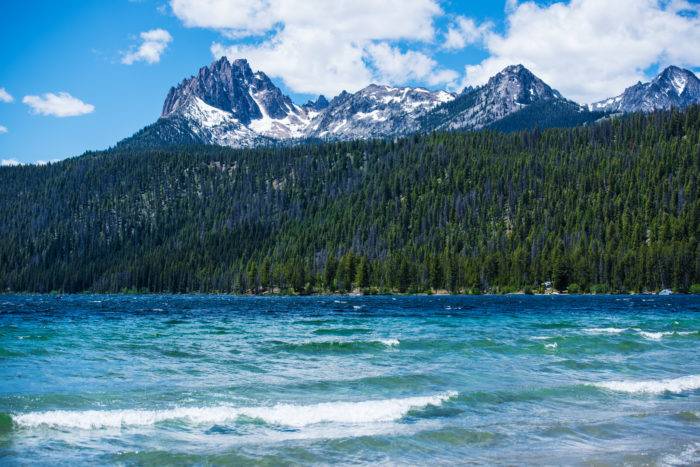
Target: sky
<point>80,75</point>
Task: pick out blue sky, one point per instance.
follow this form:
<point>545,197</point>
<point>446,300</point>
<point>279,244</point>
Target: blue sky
<point>115,61</point>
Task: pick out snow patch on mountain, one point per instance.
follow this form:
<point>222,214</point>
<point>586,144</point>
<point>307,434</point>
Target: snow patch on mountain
<point>226,103</point>
<point>673,87</point>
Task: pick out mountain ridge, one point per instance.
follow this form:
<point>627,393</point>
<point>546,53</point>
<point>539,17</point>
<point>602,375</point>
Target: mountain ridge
<point>672,87</point>
<point>227,103</point>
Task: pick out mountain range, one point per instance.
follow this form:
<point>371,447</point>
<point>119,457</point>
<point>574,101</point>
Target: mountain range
<point>228,104</point>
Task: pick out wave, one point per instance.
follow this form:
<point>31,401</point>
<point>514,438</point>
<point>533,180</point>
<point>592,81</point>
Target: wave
<point>654,336</point>
<point>341,331</point>
<point>298,416</point>
<point>661,334</point>
<point>390,342</point>
<point>684,383</point>
<point>650,335</point>
<point>605,330</point>
<point>339,346</point>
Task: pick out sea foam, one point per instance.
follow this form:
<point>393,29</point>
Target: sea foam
<point>605,330</point>
<point>372,411</point>
<point>684,383</point>
<point>661,334</point>
<point>390,342</point>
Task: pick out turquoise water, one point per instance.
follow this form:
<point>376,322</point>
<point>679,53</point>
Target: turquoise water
<point>368,380</point>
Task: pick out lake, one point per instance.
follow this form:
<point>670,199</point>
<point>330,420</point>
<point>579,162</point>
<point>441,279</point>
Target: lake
<point>198,379</point>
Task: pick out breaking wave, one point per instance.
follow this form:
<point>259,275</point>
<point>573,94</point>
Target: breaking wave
<point>372,411</point>
<point>684,383</point>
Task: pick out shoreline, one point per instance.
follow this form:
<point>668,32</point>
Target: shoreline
<point>350,294</point>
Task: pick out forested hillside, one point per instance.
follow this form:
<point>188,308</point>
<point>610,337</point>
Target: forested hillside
<point>611,206</point>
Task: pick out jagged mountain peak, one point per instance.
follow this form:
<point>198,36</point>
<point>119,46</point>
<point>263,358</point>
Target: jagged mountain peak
<point>521,85</point>
<point>672,87</point>
<point>512,89</point>
<point>677,78</point>
<point>231,87</point>
<point>376,110</point>
<point>227,102</point>
<point>317,105</point>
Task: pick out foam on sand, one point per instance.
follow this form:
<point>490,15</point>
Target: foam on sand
<point>372,411</point>
<point>684,383</point>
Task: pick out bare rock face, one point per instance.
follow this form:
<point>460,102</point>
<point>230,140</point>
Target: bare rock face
<point>227,103</point>
<point>673,87</point>
<point>376,111</point>
<point>231,87</point>
<point>512,90</point>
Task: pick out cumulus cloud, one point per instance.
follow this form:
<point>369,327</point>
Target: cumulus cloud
<point>43,162</point>
<point>5,96</point>
<point>464,31</point>
<point>154,43</point>
<point>3,129</point>
<point>58,105</point>
<point>398,67</point>
<point>319,46</point>
<point>9,162</point>
<point>593,49</point>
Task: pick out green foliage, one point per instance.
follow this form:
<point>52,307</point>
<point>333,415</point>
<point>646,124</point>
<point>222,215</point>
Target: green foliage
<point>694,289</point>
<point>573,288</point>
<point>599,289</point>
<point>611,206</point>
<point>562,274</point>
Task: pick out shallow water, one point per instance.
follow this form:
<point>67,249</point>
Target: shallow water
<point>393,380</point>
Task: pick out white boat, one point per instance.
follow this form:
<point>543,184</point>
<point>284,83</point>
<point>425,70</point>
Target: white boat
<point>666,292</point>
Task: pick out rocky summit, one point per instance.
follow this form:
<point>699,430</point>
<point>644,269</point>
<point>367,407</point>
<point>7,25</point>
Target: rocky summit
<point>673,87</point>
<point>229,104</point>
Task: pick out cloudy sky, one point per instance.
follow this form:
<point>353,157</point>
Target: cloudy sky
<point>82,75</point>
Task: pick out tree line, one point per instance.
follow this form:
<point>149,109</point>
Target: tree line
<point>611,206</point>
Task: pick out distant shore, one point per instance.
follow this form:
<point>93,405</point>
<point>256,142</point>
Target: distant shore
<point>289,293</point>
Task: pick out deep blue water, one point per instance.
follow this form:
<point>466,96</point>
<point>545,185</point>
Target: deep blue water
<point>369,380</point>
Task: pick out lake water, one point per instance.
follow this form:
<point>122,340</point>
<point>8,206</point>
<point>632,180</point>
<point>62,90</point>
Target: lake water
<point>368,380</point>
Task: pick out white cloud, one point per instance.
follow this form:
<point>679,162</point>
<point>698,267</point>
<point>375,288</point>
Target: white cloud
<point>5,96</point>
<point>43,162</point>
<point>593,49</point>
<point>464,31</point>
<point>319,46</point>
<point>237,16</point>
<point>9,162</point>
<point>3,129</point>
<point>394,66</point>
<point>58,105</point>
<point>154,43</point>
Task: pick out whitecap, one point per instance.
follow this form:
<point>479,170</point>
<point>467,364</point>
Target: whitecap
<point>688,456</point>
<point>684,383</point>
<point>659,335</point>
<point>654,336</point>
<point>552,346</point>
<point>358,307</point>
<point>371,411</point>
<point>390,342</point>
<point>605,330</point>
